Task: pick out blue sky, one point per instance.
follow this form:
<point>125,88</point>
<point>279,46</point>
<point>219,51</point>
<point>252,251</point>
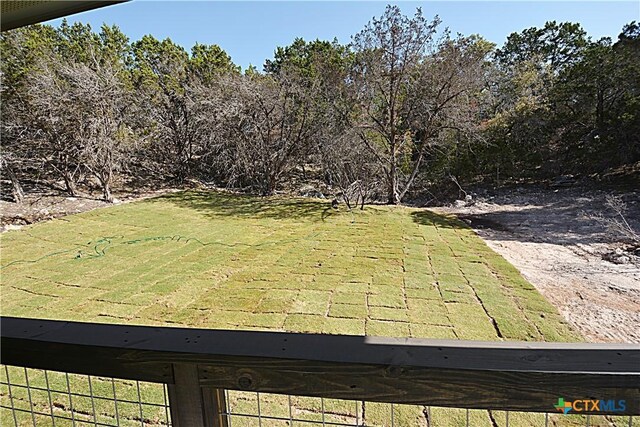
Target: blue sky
<point>250,30</point>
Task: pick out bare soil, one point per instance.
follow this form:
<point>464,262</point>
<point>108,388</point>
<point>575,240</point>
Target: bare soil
<point>45,205</point>
<point>551,237</point>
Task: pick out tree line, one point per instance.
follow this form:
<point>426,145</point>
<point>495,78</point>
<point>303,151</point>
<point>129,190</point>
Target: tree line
<point>404,109</point>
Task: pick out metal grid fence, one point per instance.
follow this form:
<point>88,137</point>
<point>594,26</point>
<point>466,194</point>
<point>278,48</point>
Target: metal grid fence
<point>42,398</point>
<point>286,410</point>
<point>33,397</point>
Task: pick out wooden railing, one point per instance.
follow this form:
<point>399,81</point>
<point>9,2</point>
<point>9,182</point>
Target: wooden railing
<point>198,364</point>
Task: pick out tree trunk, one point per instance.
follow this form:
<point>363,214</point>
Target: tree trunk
<point>16,188</point>
<point>105,181</point>
<point>106,193</point>
<point>69,184</point>
<point>393,196</point>
<point>393,180</point>
<point>600,111</point>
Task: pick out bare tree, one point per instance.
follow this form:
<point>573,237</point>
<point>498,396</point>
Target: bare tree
<point>446,96</point>
<point>56,126</point>
<point>79,120</point>
<point>16,187</point>
<point>13,128</point>
<point>350,168</point>
<point>618,224</point>
<point>101,97</point>
<point>267,122</point>
<point>173,92</point>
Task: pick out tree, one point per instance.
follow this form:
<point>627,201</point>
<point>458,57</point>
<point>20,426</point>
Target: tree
<point>207,62</point>
<point>412,92</point>
<point>387,52</point>
<point>446,97</point>
<point>79,117</point>
<point>103,102</point>
<point>347,165</point>
<point>625,116</point>
<point>21,50</point>
<point>56,129</point>
<point>556,45</point>
<point>266,123</point>
<point>305,56</point>
<point>398,111</point>
<point>168,81</point>
<point>524,131</point>
<point>161,79</point>
<point>69,107</point>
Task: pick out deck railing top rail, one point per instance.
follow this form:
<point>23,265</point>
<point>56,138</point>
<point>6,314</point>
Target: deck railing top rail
<point>526,376</point>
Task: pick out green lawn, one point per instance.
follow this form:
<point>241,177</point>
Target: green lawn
<point>215,260</point>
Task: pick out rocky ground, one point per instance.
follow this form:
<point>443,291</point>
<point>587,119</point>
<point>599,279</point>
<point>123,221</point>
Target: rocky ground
<point>554,238</point>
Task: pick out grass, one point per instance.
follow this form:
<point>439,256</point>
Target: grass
<point>215,260</point>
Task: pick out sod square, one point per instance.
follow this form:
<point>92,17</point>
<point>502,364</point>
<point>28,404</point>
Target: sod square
<point>222,319</point>
<point>303,323</point>
<point>386,313</point>
<point>391,300</point>
<point>348,311</point>
<point>419,330</point>
<point>311,302</point>
<point>470,320</point>
<point>431,292</point>
<point>352,287</point>
<point>271,320</point>
<point>419,281</point>
<point>349,298</point>
<point>384,328</point>
<point>458,297</point>
<point>422,311</point>
<point>386,290</point>
<point>240,304</point>
<point>335,325</point>
<point>274,305</point>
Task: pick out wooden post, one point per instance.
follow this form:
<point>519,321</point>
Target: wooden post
<point>215,404</point>
<point>192,405</point>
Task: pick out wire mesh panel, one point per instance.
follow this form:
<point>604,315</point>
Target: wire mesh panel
<point>250,409</point>
<point>34,397</point>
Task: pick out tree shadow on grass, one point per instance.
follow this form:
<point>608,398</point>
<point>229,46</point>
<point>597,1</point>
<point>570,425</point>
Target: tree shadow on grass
<point>426,217</point>
<point>218,204</point>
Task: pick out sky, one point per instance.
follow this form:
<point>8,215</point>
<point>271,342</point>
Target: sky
<point>250,30</point>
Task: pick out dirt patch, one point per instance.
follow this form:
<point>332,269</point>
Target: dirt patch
<point>45,206</point>
<point>552,238</point>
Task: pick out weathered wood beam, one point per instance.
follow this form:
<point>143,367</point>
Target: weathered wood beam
<point>524,376</point>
